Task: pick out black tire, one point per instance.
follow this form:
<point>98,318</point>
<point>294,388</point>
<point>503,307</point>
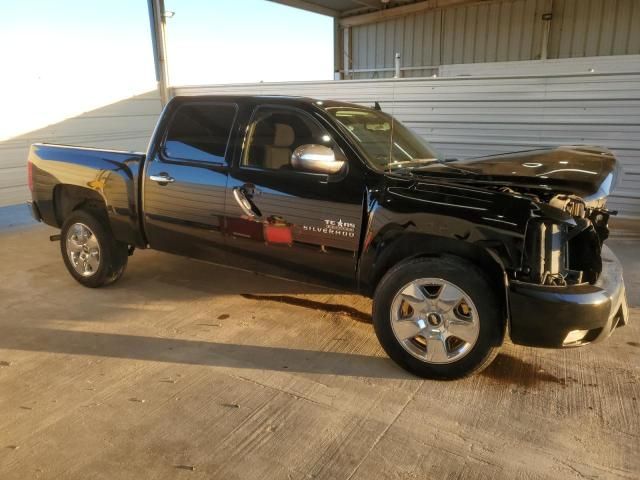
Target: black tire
<point>463,275</point>
<point>113,255</point>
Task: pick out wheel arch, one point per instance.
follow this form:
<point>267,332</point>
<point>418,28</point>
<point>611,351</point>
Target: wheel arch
<point>409,246</point>
<point>68,198</point>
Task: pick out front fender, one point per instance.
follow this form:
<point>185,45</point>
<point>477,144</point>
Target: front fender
<point>421,219</point>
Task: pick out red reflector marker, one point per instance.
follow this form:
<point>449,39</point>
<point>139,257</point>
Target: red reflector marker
<point>30,176</point>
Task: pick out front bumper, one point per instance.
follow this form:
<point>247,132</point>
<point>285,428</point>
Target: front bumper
<point>543,316</point>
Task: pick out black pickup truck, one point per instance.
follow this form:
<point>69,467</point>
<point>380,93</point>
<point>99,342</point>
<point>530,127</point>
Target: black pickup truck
<point>456,254</point>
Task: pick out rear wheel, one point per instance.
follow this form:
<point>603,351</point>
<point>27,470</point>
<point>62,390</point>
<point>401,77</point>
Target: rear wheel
<point>89,250</point>
<point>438,317</point>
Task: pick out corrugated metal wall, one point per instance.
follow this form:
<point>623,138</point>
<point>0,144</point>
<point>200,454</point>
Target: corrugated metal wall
<point>470,116</point>
<point>416,37</point>
<point>125,125</point>
<point>613,64</point>
<point>583,28</point>
<point>506,30</point>
<point>492,32</point>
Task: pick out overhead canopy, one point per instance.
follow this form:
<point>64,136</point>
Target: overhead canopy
<point>355,12</point>
<point>344,8</point>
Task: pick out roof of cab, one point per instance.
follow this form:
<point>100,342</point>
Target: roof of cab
<point>285,99</point>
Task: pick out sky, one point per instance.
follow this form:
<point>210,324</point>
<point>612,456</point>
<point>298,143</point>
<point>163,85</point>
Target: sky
<point>59,58</point>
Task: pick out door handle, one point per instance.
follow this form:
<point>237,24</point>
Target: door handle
<point>246,205</point>
<point>162,178</point>
<point>249,190</point>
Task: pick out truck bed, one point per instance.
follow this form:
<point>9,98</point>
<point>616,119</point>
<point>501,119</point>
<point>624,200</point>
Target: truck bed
<point>60,173</point>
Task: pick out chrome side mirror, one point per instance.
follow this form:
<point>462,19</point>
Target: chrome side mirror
<point>316,158</point>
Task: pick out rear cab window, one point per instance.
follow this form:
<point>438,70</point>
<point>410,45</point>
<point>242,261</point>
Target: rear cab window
<point>200,132</point>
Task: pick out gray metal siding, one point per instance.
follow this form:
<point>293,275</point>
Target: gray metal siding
<point>470,116</point>
<point>417,37</point>
<point>612,64</point>
<point>492,32</point>
<point>125,125</point>
<point>497,31</point>
<point>583,28</point>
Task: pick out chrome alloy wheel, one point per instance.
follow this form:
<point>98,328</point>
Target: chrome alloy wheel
<point>434,320</point>
<point>83,249</point>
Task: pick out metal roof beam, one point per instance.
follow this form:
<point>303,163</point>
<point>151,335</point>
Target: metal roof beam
<point>309,6</point>
<point>372,17</point>
<point>376,4</point>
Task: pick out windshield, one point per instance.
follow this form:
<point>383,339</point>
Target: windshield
<point>386,142</point>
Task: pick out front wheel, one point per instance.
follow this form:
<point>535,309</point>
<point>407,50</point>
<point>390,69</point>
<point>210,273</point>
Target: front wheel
<point>438,317</point>
<point>89,250</point>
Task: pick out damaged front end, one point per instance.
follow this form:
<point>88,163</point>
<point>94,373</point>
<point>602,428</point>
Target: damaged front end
<point>565,286</point>
<point>564,243</point>
<point>569,290</point>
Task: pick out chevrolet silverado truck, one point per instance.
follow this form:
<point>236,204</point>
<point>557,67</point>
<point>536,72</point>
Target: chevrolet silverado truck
<point>456,254</point>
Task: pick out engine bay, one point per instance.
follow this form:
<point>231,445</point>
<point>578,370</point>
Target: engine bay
<point>564,240</point>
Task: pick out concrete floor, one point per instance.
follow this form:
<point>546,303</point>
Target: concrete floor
<point>190,370</point>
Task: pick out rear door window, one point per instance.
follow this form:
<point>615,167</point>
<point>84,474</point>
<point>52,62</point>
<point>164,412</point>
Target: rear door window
<point>200,132</point>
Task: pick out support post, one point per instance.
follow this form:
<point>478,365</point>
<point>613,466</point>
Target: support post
<point>157,21</point>
<point>346,52</point>
<point>337,52</point>
<point>546,29</point>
